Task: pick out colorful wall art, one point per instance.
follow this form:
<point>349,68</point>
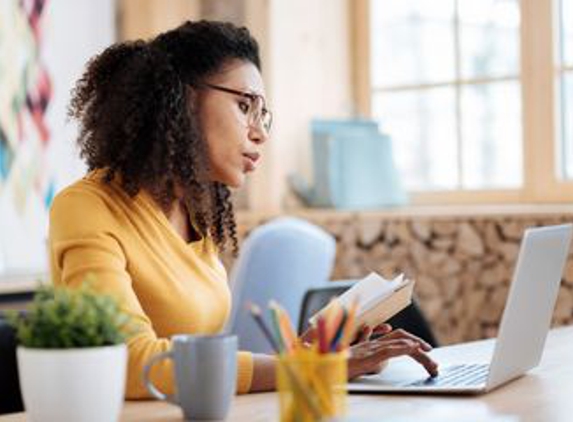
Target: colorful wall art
<point>44,45</point>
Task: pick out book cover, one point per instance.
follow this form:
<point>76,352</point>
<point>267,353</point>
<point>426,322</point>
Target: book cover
<point>378,299</point>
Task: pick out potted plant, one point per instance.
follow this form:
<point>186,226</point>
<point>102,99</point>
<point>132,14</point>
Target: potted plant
<point>71,355</point>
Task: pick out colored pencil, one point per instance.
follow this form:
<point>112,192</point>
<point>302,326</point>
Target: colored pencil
<point>285,325</point>
<point>339,331</point>
<point>302,391</point>
<point>256,314</point>
<point>277,329</point>
<point>349,326</point>
<point>321,334</point>
<point>333,322</point>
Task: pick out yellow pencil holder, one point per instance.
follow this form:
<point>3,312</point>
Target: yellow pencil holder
<point>311,386</point>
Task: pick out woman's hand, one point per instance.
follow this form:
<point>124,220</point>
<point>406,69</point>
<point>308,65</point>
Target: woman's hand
<point>371,349</point>
<point>363,333</point>
<point>370,356</point>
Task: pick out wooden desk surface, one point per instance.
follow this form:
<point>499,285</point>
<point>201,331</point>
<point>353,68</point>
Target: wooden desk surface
<point>545,394</point>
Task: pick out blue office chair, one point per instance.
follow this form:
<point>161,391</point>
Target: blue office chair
<point>280,260</point>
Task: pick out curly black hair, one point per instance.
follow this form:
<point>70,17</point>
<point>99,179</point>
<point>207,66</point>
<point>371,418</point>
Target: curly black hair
<point>136,121</point>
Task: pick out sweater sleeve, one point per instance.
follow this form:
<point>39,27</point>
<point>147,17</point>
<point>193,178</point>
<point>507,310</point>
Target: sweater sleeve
<point>82,242</point>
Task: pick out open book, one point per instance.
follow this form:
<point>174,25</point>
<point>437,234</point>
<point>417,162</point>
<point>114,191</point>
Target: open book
<point>378,299</point>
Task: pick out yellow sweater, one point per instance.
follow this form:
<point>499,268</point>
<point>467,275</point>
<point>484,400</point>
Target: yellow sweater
<point>167,285</point>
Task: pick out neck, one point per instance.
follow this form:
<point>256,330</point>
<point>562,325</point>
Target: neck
<point>179,219</point>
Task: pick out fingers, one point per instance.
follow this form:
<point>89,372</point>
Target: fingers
<point>426,361</point>
<point>374,352</point>
<point>392,348</point>
<point>379,367</point>
<point>403,334</point>
<point>368,357</point>
<point>369,349</point>
<point>409,347</point>
<point>366,333</point>
<point>418,353</point>
<point>381,330</point>
<point>308,335</point>
<point>363,335</point>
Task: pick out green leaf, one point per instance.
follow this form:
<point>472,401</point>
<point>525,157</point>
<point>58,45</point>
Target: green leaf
<point>61,318</point>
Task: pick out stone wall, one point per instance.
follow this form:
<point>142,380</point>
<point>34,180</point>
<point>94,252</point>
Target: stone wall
<point>462,264</point>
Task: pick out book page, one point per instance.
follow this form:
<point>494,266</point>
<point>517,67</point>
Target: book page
<point>371,290</point>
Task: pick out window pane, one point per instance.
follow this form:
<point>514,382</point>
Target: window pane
<point>567,31</point>
<point>422,127</point>
<point>566,85</point>
<point>489,38</point>
<point>412,42</point>
<point>491,135</point>
<point>567,116</point>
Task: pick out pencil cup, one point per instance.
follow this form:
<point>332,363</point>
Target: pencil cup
<point>311,386</point>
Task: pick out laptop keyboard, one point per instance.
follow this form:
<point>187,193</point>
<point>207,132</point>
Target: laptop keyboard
<point>456,376</point>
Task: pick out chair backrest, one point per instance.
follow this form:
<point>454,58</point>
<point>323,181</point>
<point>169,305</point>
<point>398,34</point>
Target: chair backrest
<point>10,397</point>
<point>410,318</point>
<point>317,298</point>
<point>280,260</point>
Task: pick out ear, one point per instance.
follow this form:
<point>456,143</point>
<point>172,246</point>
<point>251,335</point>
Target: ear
<point>192,96</point>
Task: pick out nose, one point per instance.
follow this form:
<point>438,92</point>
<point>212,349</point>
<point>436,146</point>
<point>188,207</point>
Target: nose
<point>257,134</point>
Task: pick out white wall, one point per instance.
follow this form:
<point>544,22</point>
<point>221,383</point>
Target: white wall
<point>307,70</point>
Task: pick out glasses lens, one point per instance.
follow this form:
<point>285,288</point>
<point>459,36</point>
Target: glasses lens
<point>267,120</point>
<point>256,110</point>
<point>257,113</point>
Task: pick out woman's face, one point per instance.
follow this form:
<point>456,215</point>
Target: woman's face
<point>234,146</point>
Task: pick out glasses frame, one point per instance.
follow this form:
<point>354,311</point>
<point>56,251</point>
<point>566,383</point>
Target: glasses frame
<point>252,97</point>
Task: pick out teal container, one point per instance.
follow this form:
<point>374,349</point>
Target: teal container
<point>353,167</point>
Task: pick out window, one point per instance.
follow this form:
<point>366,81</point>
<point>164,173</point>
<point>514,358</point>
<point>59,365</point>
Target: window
<point>566,85</point>
<point>464,88</point>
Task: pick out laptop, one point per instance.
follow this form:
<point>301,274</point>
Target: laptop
<point>522,333</point>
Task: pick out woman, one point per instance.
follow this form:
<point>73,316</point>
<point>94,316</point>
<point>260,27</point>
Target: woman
<point>166,128</point>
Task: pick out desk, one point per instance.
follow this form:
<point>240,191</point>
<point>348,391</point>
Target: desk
<point>545,394</point>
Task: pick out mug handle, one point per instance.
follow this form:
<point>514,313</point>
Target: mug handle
<point>149,385</point>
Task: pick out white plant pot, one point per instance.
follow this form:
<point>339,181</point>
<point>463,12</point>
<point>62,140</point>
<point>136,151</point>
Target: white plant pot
<point>73,385</point>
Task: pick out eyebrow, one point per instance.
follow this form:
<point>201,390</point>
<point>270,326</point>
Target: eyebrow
<point>236,91</point>
<point>252,91</point>
<point>248,90</point>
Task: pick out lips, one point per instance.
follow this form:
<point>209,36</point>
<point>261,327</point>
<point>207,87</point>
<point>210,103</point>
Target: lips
<point>253,156</point>
<point>250,159</point>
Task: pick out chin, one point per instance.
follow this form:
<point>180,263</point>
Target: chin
<point>229,178</point>
<point>236,185</point>
<point>234,181</point>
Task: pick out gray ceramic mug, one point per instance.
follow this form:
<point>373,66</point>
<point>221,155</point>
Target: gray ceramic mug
<point>205,375</point>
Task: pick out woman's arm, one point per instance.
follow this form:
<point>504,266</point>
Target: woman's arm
<point>82,242</point>
<point>264,378</point>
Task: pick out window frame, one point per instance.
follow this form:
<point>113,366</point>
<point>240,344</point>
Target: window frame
<point>540,76</point>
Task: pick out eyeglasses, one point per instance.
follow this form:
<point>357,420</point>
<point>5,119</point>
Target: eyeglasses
<point>256,111</point>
